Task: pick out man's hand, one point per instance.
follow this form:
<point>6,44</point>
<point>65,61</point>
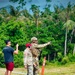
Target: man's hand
<point>25,66</point>
<point>17,45</point>
<point>34,65</point>
<point>16,51</point>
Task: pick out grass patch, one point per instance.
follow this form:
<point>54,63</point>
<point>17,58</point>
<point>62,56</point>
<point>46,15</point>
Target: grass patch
<point>51,69</point>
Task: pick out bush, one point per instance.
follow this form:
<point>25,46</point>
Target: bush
<point>47,62</point>
<point>59,58</point>
<point>65,60</point>
<point>71,57</point>
<point>41,61</point>
<point>18,59</point>
<point>1,60</point>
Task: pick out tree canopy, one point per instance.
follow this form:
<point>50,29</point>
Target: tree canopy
<point>20,26</point>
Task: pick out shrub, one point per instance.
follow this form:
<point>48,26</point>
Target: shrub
<point>59,58</point>
<point>1,60</point>
<point>41,61</point>
<point>71,57</point>
<point>65,60</point>
<point>18,59</point>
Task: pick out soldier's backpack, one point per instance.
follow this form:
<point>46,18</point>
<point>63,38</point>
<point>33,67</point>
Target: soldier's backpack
<point>35,52</point>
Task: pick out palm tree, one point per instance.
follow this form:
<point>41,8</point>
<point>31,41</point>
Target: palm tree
<point>72,39</point>
<point>69,25</point>
<point>35,10</point>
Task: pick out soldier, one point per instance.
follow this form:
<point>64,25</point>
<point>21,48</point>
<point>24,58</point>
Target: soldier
<point>28,60</point>
<point>36,49</point>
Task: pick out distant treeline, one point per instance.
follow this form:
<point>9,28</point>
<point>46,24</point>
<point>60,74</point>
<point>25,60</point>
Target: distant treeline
<point>57,27</point>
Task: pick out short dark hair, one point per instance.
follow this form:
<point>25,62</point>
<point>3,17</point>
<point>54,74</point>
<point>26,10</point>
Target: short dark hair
<point>6,41</point>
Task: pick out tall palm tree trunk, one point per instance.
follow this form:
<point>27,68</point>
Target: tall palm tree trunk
<point>65,51</point>
<point>74,49</point>
<point>36,25</point>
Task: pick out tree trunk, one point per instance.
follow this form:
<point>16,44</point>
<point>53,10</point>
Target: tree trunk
<point>71,35</point>
<point>37,25</point>
<point>74,49</point>
<point>48,57</point>
<point>65,42</point>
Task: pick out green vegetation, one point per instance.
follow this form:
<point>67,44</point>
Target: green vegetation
<point>57,27</point>
<point>52,69</point>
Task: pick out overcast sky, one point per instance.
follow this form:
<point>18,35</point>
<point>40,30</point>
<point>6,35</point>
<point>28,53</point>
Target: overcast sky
<point>40,3</point>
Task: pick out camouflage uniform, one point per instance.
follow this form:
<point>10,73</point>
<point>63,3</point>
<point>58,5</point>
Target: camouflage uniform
<point>28,61</point>
<point>36,52</point>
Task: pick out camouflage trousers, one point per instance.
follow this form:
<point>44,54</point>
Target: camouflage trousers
<point>36,68</point>
<point>30,70</point>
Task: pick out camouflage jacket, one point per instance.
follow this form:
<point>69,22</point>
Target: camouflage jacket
<point>36,48</point>
<point>28,60</point>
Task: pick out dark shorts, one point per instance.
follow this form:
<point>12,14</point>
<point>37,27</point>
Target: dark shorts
<point>9,66</point>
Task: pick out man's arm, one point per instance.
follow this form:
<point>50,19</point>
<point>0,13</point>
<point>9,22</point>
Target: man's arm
<point>16,51</point>
<point>42,45</point>
<point>25,60</point>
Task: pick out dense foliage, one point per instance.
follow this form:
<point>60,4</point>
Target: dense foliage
<point>57,27</point>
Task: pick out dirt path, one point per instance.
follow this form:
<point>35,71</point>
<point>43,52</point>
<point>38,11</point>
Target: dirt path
<point>48,71</point>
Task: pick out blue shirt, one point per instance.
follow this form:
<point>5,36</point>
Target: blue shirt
<point>8,54</point>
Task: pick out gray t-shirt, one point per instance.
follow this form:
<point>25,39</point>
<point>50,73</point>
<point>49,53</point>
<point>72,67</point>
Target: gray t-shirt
<point>8,54</point>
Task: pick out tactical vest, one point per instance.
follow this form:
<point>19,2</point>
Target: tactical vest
<point>35,51</point>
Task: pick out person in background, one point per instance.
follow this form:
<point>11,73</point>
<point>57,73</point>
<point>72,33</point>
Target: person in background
<point>36,49</point>
<point>8,52</point>
<point>28,59</point>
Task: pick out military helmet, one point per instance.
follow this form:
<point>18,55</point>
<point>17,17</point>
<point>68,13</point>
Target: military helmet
<point>33,38</point>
